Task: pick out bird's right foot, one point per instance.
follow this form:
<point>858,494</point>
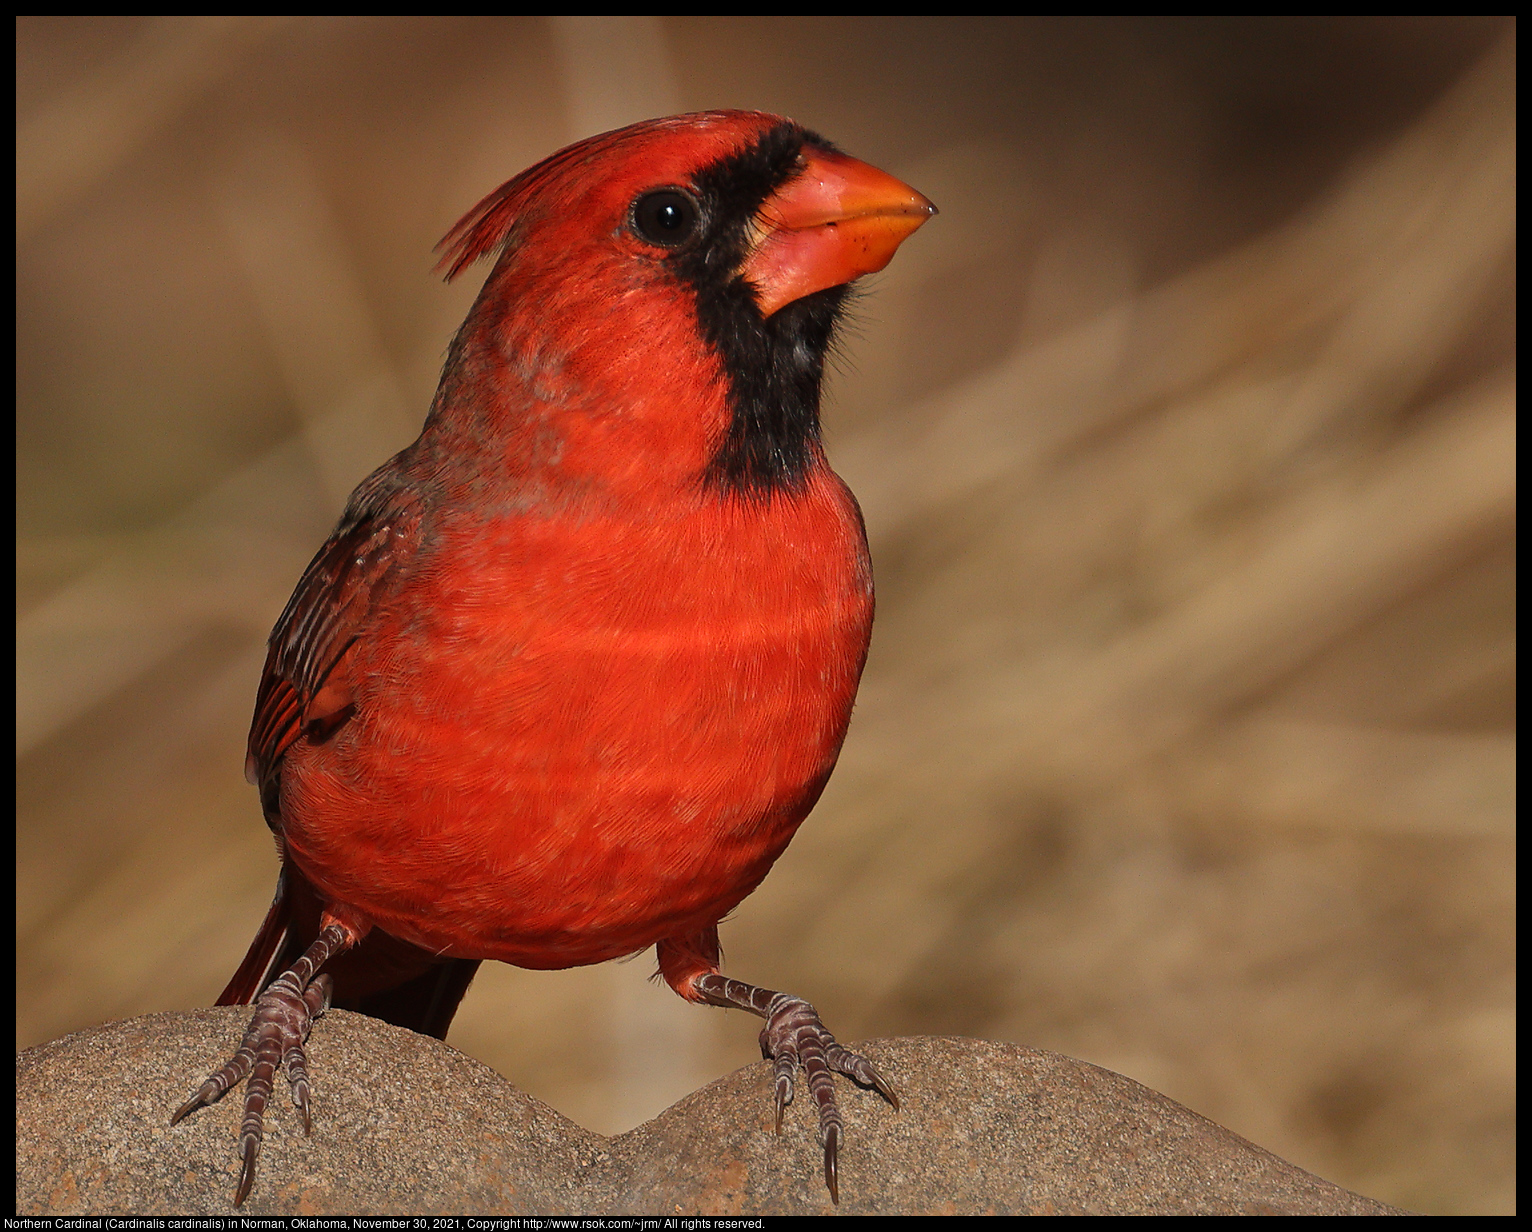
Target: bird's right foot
<point>284,1015</point>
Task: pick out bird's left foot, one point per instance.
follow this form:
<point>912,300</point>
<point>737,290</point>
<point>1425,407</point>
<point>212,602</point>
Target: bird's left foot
<point>794,1036</point>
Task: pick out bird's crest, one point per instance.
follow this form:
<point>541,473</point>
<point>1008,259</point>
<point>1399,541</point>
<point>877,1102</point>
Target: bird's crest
<point>487,227</point>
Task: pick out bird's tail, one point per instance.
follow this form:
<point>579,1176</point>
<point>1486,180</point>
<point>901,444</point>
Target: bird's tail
<point>382,976</point>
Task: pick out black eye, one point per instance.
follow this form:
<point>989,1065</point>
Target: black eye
<point>666,217</point>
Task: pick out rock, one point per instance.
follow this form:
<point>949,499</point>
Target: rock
<point>403,1124</point>
<point>406,1125</point>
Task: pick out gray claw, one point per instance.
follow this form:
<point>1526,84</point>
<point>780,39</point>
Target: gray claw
<point>832,1155</point>
<point>885,1088</point>
<point>249,1149</point>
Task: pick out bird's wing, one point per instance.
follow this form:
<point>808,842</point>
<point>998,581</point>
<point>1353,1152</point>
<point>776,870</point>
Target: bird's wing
<point>305,689</point>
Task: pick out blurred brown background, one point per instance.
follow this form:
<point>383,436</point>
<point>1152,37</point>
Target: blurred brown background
<point>1185,441</point>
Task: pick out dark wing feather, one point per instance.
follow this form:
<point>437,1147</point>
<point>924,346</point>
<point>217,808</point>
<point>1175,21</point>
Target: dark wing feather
<point>305,692</point>
<point>301,691</point>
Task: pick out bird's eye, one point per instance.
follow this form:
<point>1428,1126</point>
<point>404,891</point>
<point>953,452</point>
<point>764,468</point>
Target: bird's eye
<point>667,217</point>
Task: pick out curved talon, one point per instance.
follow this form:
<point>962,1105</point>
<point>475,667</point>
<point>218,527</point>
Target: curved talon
<point>203,1094</point>
<point>832,1154</point>
<point>217,1085</point>
<point>249,1150</point>
<point>862,1072</point>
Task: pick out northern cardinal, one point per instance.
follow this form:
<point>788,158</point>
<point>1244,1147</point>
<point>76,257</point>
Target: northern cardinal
<point>575,665</point>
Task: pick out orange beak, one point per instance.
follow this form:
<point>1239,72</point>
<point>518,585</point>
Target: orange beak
<point>835,221</point>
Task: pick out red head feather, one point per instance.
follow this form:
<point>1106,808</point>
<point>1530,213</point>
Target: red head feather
<point>489,225</point>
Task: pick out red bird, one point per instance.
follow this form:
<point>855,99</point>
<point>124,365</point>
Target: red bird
<point>575,665</point>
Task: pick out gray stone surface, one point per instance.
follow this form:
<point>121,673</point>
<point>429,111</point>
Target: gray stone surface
<point>407,1125</point>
